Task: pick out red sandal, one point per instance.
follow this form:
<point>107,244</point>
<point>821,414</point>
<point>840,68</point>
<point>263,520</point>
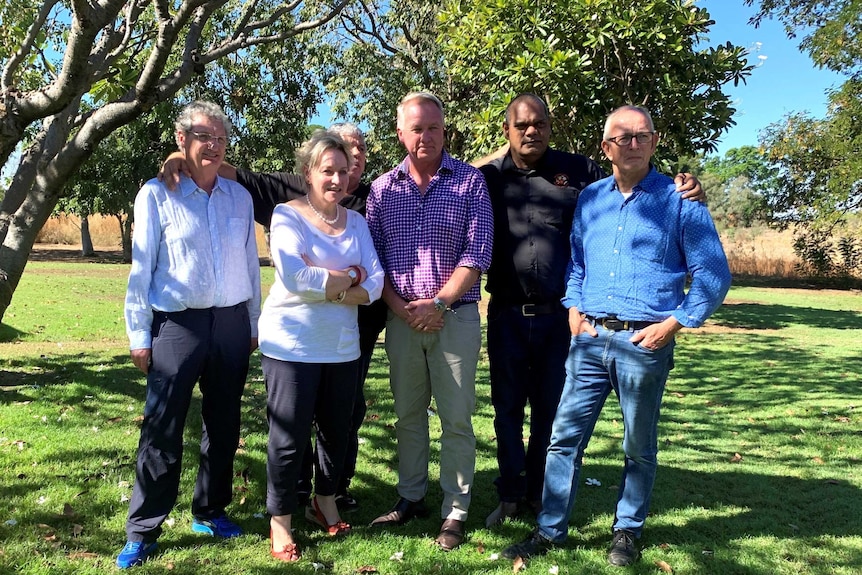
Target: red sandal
<point>314,515</point>
<point>289,552</point>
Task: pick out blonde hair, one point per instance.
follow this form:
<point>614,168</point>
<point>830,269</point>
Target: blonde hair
<point>309,153</point>
<point>423,96</point>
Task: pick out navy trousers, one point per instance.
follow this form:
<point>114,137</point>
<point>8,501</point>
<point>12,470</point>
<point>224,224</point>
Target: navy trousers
<point>210,346</point>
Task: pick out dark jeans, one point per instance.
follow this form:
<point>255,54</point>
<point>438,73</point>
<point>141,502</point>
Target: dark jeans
<point>206,345</point>
<point>297,394</point>
<point>527,358</point>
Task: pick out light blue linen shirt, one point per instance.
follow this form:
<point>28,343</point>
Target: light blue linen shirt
<point>191,250</point>
<point>630,257</point>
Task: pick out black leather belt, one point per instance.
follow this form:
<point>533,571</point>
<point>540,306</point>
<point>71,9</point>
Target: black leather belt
<point>615,324</point>
<point>534,309</point>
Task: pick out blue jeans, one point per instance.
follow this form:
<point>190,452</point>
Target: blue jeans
<point>637,376</point>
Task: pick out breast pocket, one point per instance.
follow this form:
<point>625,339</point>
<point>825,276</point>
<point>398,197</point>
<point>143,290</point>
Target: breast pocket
<point>650,242</point>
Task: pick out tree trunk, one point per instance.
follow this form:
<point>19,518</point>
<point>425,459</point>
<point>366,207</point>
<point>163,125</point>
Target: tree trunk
<point>86,240</point>
<point>126,236</point>
<point>20,236</point>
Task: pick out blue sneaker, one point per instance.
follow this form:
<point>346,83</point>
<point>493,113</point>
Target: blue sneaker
<point>134,553</point>
<point>219,526</point>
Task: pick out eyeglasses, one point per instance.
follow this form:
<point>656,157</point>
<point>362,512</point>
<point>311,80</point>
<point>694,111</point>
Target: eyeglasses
<point>626,139</point>
<point>209,139</point>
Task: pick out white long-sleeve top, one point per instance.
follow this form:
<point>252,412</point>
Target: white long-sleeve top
<point>297,322</point>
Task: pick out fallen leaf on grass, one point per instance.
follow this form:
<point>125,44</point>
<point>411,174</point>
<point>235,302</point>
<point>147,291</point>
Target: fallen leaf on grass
<point>494,557</point>
<point>480,547</point>
<point>554,570</point>
<point>664,566</point>
<point>77,529</point>
<point>115,419</point>
<point>50,536</point>
<point>169,566</point>
<point>707,552</point>
<point>138,419</point>
<point>69,511</point>
<point>83,555</point>
<point>518,564</point>
<point>397,556</point>
<point>367,569</point>
<point>678,394</point>
<point>817,460</point>
<point>10,522</point>
<point>833,482</point>
<point>664,546</point>
<point>736,458</point>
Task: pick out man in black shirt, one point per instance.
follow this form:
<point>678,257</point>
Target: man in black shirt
<point>269,189</point>
<point>533,191</point>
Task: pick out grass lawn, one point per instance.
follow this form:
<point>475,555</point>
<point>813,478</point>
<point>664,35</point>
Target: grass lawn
<point>760,470</point>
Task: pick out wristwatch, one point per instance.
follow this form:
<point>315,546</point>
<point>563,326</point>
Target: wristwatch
<point>353,275</point>
<point>440,305</point>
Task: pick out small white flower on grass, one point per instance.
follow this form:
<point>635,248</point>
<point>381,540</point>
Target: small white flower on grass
<point>397,556</point>
<point>124,498</point>
<point>170,521</point>
<point>44,419</point>
<point>95,429</point>
<point>123,484</point>
<point>41,500</point>
<point>593,482</point>
<point>318,566</point>
<point>554,570</point>
<point>10,522</point>
<point>494,557</point>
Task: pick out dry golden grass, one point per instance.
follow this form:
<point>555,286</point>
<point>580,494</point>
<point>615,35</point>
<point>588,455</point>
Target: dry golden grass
<point>751,252</point>
<point>761,253</point>
<point>65,230</point>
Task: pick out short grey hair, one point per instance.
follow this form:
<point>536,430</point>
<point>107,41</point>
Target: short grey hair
<point>423,96</point>
<point>347,130</point>
<point>197,108</point>
<point>627,108</point>
<point>309,153</point>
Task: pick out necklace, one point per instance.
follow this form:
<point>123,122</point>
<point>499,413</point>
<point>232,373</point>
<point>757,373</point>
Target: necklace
<point>321,216</point>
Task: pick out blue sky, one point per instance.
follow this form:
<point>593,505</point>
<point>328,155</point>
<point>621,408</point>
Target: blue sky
<point>785,80</point>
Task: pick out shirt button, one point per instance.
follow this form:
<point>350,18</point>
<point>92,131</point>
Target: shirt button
<point>612,274</point>
<point>620,228</point>
<point>616,251</point>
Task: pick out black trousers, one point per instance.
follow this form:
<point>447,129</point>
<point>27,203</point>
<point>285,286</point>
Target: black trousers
<point>372,320</point>
<point>210,346</point>
<point>297,394</point>
<point>527,357</point>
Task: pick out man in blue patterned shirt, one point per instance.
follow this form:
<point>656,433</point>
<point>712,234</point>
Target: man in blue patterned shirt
<point>634,242</point>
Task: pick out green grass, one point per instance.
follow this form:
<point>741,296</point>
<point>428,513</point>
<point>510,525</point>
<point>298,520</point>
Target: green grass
<point>759,469</point>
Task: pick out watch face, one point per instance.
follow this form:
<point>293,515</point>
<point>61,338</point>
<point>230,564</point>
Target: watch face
<point>352,274</point>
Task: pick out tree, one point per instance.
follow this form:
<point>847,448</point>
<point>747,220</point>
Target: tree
<point>820,180</point>
<point>820,168</point>
<point>373,54</point>
<point>833,29</point>
<point>586,57</point>
<point>738,185</point>
<point>73,73</point>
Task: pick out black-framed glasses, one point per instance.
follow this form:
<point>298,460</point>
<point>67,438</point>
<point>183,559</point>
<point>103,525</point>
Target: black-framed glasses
<point>626,139</point>
<point>209,139</point>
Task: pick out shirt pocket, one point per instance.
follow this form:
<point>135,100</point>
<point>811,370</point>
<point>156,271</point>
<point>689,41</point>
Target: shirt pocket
<point>348,340</point>
<point>237,232</point>
<point>650,243</point>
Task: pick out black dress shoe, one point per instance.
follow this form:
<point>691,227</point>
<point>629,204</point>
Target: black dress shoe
<point>401,513</point>
<point>533,546</point>
<point>623,551</point>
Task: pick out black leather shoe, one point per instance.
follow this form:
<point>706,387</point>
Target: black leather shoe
<point>623,551</point>
<point>534,545</point>
<point>401,513</point>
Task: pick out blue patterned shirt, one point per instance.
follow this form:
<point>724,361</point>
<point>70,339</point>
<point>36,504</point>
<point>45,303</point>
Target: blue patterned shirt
<point>630,257</point>
<point>421,238</point>
<point>191,251</point>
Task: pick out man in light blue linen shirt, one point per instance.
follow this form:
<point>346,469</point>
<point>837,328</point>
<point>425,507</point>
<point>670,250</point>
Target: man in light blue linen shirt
<point>634,241</point>
<point>191,311</point>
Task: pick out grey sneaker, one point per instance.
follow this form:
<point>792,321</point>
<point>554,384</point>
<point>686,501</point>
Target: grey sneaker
<point>623,551</point>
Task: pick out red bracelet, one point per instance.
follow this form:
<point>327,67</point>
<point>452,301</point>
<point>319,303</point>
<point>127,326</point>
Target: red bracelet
<point>358,280</point>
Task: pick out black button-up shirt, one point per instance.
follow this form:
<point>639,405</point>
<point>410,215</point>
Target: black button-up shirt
<point>533,211</point>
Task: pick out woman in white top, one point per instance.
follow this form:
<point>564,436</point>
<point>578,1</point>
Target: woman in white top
<point>325,267</point>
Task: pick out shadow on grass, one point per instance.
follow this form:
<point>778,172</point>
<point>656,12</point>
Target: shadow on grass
<point>774,316</point>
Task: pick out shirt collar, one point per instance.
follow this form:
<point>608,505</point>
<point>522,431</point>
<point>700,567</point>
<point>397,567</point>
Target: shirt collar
<point>187,186</point>
<point>447,166</point>
<point>644,184</point>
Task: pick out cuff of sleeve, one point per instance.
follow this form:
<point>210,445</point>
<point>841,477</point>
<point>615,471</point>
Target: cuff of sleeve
<point>568,303</point>
<point>686,320</point>
<point>141,339</point>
